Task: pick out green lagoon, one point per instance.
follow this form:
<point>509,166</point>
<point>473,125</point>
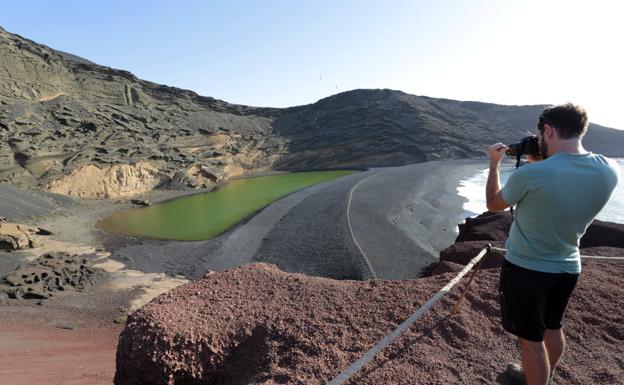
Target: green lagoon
<point>204,216</point>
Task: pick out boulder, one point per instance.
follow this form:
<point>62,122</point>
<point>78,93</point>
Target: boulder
<point>445,267</point>
<point>15,236</point>
<point>462,252</point>
<point>601,233</point>
<point>488,226</point>
<point>8,243</point>
<point>495,227</point>
<point>141,202</point>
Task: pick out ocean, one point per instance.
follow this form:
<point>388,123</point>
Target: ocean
<point>473,189</point>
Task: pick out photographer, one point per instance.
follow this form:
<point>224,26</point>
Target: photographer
<point>556,199</point>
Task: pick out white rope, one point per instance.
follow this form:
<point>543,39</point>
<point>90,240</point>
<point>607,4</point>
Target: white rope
<point>600,257</point>
<point>368,356</point>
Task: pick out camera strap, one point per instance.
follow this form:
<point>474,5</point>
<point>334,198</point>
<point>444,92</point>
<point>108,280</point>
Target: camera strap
<point>518,157</point>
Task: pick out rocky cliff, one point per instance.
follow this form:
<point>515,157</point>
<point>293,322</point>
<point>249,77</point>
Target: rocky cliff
<point>59,112</point>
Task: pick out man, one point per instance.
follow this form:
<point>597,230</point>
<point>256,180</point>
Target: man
<point>557,198</point>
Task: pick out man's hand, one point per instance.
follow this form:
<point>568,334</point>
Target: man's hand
<point>497,152</point>
<point>493,196</point>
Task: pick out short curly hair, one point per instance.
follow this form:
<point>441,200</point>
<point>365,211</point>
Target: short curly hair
<point>570,120</point>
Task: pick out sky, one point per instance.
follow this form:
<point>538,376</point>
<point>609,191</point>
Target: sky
<point>282,53</point>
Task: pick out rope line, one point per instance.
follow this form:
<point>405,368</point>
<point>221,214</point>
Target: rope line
<point>349,371</point>
<point>600,257</point>
<point>368,356</point>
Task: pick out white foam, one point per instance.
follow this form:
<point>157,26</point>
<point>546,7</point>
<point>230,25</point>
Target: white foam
<point>614,210</point>
<point>473,189</point>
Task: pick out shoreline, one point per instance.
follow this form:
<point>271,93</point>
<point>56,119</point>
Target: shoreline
<point>76,221</point>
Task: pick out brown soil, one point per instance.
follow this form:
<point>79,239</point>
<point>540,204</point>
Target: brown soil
<point>56,345</point>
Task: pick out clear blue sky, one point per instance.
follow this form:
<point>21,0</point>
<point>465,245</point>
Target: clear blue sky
<point>285,53</point>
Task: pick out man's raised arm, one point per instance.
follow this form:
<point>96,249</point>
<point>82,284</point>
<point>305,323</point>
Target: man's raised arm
<point>493,197</point>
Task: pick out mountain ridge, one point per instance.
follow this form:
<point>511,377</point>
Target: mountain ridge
<point>60,113</point>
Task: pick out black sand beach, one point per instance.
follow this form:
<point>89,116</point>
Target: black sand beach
<point>400,216</point>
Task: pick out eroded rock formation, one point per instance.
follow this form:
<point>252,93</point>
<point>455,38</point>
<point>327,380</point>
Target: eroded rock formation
<point>49,274</point>
<point>114,181</point>
<point>15,236</point>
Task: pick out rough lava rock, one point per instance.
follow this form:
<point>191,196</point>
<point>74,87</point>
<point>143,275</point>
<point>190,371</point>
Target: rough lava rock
<point>258,325</point>
<point>489,226</point>
<point>49,274</point>
<point>601,238</point>
<point>462,252</point>
<point>16,236</point>
<point>601,233</point>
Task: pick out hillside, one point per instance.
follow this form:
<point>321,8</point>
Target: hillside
<point>60,113</point>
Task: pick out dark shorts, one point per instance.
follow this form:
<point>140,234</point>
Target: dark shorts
<point>532,301</point>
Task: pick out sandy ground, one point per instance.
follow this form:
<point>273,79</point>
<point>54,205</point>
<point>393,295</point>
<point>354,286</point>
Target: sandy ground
<point>303,231</point>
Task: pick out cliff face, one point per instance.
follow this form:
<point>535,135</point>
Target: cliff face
<point>114,181</point>
<point>59,112</point>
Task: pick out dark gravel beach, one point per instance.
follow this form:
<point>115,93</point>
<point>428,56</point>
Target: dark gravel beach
<point>20,205</point>
<point>400,216</point>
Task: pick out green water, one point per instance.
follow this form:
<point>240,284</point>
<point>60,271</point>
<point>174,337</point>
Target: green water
<point>204,216</point>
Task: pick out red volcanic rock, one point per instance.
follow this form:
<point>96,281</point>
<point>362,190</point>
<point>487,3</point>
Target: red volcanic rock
<point>445,267</point>
<point>462,252</point>
<point>486,227</point>
<point>258,325</point>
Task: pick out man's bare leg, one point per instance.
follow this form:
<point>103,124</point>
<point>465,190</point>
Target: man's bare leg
<point>554,340</point>
<point>534,362</point>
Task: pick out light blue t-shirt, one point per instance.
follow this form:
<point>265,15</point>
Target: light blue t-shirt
<point>557,199</point>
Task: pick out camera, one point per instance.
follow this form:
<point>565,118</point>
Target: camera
<point>527,146</point>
